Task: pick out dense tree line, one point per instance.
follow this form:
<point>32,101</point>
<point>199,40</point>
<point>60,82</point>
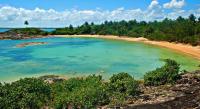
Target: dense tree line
<point>183,30</point>
<point>81,93</point>
<point>27,31</point>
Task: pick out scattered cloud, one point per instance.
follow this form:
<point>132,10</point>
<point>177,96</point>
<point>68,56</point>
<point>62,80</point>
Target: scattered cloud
<point>154,4</point>
<point>154,11</point>
<point>174,4</point>
<point>14,17</point>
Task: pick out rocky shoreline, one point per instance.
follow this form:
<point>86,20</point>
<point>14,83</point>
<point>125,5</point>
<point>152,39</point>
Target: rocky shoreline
<point>15,36</point>
<point>184,94</point>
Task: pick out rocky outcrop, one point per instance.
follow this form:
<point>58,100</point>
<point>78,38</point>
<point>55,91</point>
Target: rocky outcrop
<point>185,94</point>
<point>16,36</point>
<point>52,78</point>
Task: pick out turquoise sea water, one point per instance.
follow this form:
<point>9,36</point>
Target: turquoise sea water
<point>83,56</point>
<point>3,30</point>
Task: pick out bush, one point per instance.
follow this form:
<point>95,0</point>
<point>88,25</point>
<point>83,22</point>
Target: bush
<point>1,96</point>
<point>26,93</point>
<point>122,86</point>
<point>123,83</point>
<point>169,73</point>
<point>82,93</point>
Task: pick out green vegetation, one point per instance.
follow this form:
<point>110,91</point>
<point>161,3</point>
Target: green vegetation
<point>26,22</point>
<point>123,83</point>
<point>92,91</point>
<point>169,73</point>
<point>28,31</point>
<point>184,30</point>
<point>26,93</point>
<point>89,92</point>
<point>78,93</point>
<point>122,86</point>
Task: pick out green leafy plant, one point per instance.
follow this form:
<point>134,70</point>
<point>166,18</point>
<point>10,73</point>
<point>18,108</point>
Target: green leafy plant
<point>169,73</point>
<point>122,86</point>
<point>86,92</point>
<point>29,93</point>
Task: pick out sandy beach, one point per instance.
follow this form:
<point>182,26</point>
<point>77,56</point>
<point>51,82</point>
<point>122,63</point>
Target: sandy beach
<point>187,49</point>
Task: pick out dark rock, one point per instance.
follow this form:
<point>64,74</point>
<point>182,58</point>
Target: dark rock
<point>185,94</point>
<point>52,78</point>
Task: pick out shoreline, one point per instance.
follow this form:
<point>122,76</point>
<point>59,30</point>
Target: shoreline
<point>187,49</point>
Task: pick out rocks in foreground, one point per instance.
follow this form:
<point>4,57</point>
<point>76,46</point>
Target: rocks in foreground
<point>184,94</point>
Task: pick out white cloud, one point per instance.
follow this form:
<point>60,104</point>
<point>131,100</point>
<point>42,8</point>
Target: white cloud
<point>174,4</point>
<point>154,11</point>
<point>14,17</point>
<point>11,16</point>
<point>154,4</point>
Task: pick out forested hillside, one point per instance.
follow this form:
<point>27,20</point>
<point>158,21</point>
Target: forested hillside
<point>183,30</point>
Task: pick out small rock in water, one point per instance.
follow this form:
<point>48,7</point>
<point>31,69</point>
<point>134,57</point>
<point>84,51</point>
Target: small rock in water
<point>30,44</point>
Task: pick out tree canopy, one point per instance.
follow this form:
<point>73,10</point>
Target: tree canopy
<point>26,22</point>
<point>183,30</point>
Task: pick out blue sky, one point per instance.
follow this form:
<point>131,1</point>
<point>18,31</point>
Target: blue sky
<point>60,5</point>
<point>80,4</point>
<point>59,13</point>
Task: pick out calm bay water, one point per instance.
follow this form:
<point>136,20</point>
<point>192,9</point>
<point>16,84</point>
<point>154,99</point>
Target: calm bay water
<point>83,56</point>
<point>4,30</point>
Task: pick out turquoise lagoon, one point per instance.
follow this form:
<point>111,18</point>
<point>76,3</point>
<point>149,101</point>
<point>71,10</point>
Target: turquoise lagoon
<point>73,57</point>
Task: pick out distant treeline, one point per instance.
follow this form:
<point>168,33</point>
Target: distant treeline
<point>27,31</point>
<point>183,30</point>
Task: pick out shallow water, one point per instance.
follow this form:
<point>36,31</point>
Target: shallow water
<point>4,30</point>
<point>83,56</point>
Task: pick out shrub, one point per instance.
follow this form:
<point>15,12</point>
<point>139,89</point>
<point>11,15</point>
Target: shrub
<point>28,93</point>
<point>169,73</point>
<point>122,86</point>
<point>82,93</point>
<point>1,96</point>
<point>123,83</point>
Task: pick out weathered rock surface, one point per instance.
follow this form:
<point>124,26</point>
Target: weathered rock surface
<point>185,94</point>
<point>52,78</point>
<point>15,36</point>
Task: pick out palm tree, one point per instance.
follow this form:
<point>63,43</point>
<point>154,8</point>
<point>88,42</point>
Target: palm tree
<point>26,22</point>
